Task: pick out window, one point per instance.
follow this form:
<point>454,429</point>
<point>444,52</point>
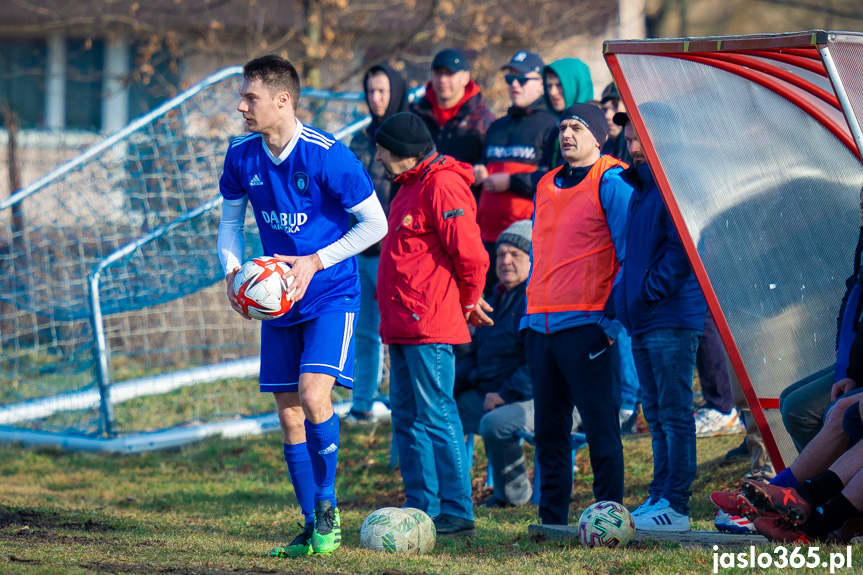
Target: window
<point>22,80</point>
<point>84,64</point>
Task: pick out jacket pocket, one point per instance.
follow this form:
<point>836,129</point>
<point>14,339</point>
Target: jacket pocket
<point>409,313</point>
<point>411,299</point>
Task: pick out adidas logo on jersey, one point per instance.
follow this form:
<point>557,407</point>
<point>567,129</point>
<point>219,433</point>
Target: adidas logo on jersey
<point>332,448</point>
<point>256,181</point>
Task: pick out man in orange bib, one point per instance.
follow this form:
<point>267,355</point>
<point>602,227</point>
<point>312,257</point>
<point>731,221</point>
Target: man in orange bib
<point>578,234</point>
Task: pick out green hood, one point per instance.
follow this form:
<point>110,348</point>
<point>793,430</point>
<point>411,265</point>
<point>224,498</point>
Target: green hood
<point>574,79</point>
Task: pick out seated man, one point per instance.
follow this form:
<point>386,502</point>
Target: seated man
<point>829,466</point>
<point>826,448</point>
<point>493,388</point>
<point>804,403</point>
<point>821,505</point>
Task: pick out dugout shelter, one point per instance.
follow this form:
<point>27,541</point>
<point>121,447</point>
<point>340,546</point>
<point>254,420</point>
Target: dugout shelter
<point>756,145</point>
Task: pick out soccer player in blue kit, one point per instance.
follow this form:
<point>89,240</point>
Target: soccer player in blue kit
<point>303,186</point>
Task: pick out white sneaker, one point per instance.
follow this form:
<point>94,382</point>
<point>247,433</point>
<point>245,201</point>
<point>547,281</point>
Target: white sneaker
<point>710,423</point>
<point>643,508</point>
<point>661,517</point>
<point>728,523</point>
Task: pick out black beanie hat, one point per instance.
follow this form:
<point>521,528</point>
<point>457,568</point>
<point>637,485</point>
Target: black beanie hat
<point>405,135</point>
<point>592,117</point>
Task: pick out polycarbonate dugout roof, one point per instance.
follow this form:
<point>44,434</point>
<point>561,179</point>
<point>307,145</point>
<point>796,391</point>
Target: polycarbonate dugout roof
<point>756,145</point>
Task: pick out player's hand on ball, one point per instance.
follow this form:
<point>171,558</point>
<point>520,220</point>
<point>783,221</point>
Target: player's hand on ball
<point>232,297</point>
<point>303,268</point>
<point>477,316</point>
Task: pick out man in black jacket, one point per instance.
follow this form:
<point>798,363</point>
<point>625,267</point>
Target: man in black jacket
<point>386,92</point>
<point>515,147</point>
<point>453,108</point>
<point>493,387</point>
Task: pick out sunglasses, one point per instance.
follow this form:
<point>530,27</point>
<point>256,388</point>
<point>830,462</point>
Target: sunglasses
<point>522,80</point>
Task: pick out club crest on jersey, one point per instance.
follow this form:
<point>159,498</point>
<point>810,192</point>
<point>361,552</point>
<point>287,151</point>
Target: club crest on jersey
<point>301,181</point>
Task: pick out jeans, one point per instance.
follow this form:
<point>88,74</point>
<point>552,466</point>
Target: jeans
<point>802,406</point>
<point>573,368</point>
<point>369,362</point>
<point>665,359</point>
<point>713,369</point>
<point>428,431</point>
<point>624,371</point>
<point>503,449</point>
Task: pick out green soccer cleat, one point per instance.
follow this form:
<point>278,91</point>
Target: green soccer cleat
<point>299,547</point>
<point>327,535</point>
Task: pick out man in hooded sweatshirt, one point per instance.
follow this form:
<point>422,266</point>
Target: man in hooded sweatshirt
<point>567,82</point>
<point>515,147</point>
<point>386,92</point>
<point>453,109</point>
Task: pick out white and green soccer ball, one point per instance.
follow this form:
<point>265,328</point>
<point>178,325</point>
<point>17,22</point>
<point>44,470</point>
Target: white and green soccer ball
<point>401,530</point>
<point>606,524</point>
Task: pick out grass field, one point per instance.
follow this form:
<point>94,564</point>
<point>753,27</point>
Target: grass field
<point>217,507</point>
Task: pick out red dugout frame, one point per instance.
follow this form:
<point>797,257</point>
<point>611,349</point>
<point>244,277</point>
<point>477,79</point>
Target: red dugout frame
<point>743,56</point>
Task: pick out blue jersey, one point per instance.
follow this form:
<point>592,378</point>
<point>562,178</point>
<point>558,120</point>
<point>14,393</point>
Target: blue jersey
<point>300,200</point>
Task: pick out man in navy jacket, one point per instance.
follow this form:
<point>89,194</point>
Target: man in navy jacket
<point>660,303</point>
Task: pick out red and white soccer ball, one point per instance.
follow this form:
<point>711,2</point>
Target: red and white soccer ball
<point>261,289</point>
<point>606,524</point>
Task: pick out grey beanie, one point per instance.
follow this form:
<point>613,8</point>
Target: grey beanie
<point>517,234</point>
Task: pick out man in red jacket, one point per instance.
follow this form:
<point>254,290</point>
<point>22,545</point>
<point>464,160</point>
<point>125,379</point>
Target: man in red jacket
<point>430,279</point>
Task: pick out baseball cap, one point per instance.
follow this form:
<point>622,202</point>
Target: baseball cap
<point>621,119</point>
<point>450,59</point>
<point>525,63</point>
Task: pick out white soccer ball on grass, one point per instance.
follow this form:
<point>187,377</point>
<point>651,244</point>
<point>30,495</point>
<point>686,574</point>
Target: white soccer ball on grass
<point>405,531</point>
<point>606,524</point>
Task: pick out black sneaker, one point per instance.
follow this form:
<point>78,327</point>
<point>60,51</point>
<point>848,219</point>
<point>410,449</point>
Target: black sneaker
<point>450,525</point>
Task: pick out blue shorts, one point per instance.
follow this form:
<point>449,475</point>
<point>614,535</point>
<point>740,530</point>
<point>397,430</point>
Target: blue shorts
<point>321,345</point>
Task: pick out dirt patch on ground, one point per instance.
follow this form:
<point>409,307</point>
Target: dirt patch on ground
<point>37,519</point>
<point>146,568</point>
<point>149,569</point>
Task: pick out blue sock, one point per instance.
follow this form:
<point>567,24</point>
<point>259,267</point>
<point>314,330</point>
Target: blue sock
<point>785,479</point>
<point>322,441</point>
<point>300,470</point>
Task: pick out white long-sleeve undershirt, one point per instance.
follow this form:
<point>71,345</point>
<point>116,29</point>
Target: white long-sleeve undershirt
<point>370,228</point>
